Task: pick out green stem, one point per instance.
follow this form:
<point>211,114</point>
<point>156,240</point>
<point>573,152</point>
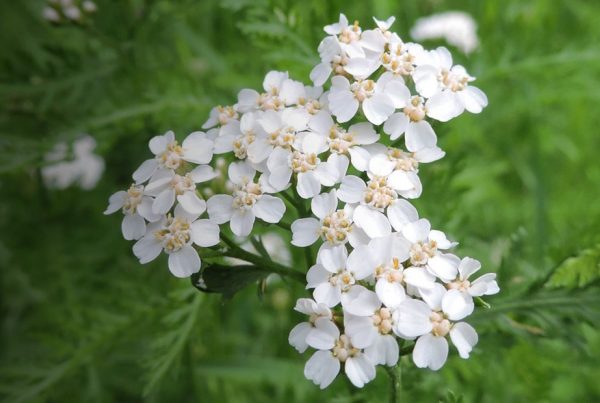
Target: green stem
<point>395,374</point>
<point>261,263</point>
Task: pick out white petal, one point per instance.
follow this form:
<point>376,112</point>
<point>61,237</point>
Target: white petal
<point>441,240</point>
<point>430,352</point>
<point>444,266</point>
<point>419,277</point>
<point>420,135</point>
<point>385,351</point>
<point>359,370</point>
<point>333,259</point>
<point>360,158</point>
<point>269,209</point>
<point>363,133</point>
<point>158,144</point>
<point>220,208</point>
<point>444,106</point>
<point>242,222</point>
<point>398,93</point>
<point>197,148</point>
<point>205,233</point>
<point>396,125</point>
<point>464,338</point>
<point>192,203</point>
<point>475,99</point>
<point>327,294</point>
<point>361,262</point>
<point>378,108</point>
<point>305,231</point>
<point>147,249</point>
<point>390,293</point>
<point>401,213</point>
<point>351,190</point>
<point>116,201</point>
<point>426,81</point>
<point>401,181</point>
<point>317,275</point>
<point>164,201</point>
<point>320,73</point>
<point>133,227</point>
<point>184,262</point>
<point>360,301</point>
<point>145,171</point>
<point>374,223</point>
<point>306,306</point>
<point>457,305</point>
<point>361,67</point>
<point>241,173</point>
<point>297,337</point>
<point>322,368</point>
<point>202,173</point>
<point>381,165</point>
<point>343,105</point>
<point>324,204</point>
<point>413,318</point>
<point>467,267</point>
<point>360,329</point>
<point>484,285</point>
<point>308,185</point>
<point>324,335</point>
<point>417,231</point>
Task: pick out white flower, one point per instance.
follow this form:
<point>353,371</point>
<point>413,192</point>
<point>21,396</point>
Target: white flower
<point>333,226</point>
<point>401,58</point>
<point>345,99</point>
<point>196,148</point>
<point>334,279</point>
<point>431,322</point>
<point>249,200</point>
<point>457,28</point>
<point>250,100</point>
<point>221,115</point>
<point>341,141</point>
<point>300,332</point>
<point>447,87</point>
<point>167,186</point>
<point>85,169</point>
<point>50,14</point>
<point>279,129</point>
<point>484,285</point>
<point>89,6</point>
<point>136,207</point>
<point>425,249</point>
<point>174,235</point>
<point>237,136</point>
<point>334,349</point>
<point>374,335</point>
<point>310,172</point>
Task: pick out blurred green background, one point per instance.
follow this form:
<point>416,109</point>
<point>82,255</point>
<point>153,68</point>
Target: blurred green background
<point>81,320</point>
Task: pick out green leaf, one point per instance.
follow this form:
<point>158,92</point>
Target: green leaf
<point>577,271</point>
<point>227,280</point>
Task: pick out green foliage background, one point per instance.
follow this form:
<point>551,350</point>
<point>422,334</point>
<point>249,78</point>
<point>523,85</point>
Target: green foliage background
<point>81,320</point>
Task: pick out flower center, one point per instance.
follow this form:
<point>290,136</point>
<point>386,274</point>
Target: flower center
<point>182,184</point>
<point>453,81</point>
<point>350,34</point>
<point>301,162</point>
<point>339,140</point>
<point>363,89</point>
<point>338,62</point>
<point>270,101</point>
<point>420,252</point>
<point>175,234</point>
<point>343,349</point>
<point>461,285</point>
<point>246,195</point>
<point>240,145</point>
<point>283,137</point>
<point>404,161</point>
<point>393,273</point>
<point>378,194</point>
<point>398,61</point>
<point>133,199</point>
<point>171,157</point>
<point>336,227</point>
<point>383,320</point>
<point>226,113</point>
<point>312,106</point>
<point>415,110</point>
<point>343,279</point>
<point>441,325</point>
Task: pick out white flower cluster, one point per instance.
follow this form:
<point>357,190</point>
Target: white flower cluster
<point>456,27</point>
<point>84,169</point>
<point>59,11</point>
<point>381,273</point>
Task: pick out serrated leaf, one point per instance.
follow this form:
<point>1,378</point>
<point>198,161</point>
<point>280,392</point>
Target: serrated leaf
<point>227,280</point>
<point>578,271</point>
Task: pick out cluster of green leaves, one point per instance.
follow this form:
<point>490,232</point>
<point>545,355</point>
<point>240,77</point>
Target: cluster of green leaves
<point>81,320</point>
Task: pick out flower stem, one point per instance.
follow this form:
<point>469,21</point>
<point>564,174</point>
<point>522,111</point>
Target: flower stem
<point>261,263</point>
<point>395,374</point>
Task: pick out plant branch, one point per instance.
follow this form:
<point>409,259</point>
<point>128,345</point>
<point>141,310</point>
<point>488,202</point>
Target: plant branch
<point>395,374</point>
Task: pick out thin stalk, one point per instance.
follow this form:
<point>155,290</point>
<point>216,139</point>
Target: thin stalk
<point>261,263</point>
<point>395,374</point>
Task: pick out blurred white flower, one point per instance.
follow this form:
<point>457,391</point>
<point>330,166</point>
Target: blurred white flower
<point>456,27</point>
<point>84,170</point>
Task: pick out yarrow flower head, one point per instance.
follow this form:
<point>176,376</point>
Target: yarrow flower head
<point>334,165</point>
